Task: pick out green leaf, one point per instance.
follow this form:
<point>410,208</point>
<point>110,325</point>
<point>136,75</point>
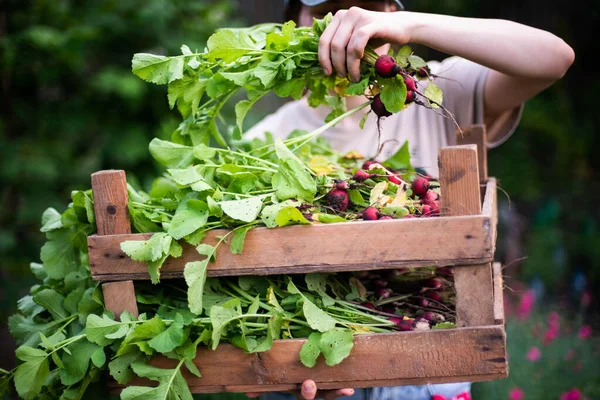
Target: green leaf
<point>269,213</point>
<point>416,62</point>
<point>266,71</point>
<point>393,93</point>
<point>293,181</point>
<point>171,386</point>
<point>59,255</point>
<point>336,345</point>
<point>195,277</point>
<point>77,363</point>
<point>97,328</point>
<point>402,56</point>
<point>171,155</point>
<point>317,318</point>
<point>245,210</point>
<point>186,93</point>
<point>157,69</point>
<point>204,153</point>
<point>444,325</point>
<point>434,95</point>
<point>26,353</point>
<point>290,216</point>
<point>99,357</point>
<point>293,88</point>
<point>220,317</point>
<point>120,367</point>
<point>358,88</point>
<point>51,220</point>
<point>31,376</point>
<point>52,301</point>
<point>237,241</point>
<point>329,218</point>
<point>310,350</point>
<point>171,338</point>
<point>147,250</point>
<point>241,110</point>
<point>399,161</point>
<point>190,216</point>
<point>240,78</point>
<point>229,45</point>
<point>356,197</point>
<point>141,334</point>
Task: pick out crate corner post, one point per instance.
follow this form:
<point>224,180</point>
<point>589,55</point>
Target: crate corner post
<point>110,195</point>
<point>461,195</point>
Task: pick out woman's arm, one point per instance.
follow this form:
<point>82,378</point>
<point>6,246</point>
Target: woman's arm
<point>524,60</point>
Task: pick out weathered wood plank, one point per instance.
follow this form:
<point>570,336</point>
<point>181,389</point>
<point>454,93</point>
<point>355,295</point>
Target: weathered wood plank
<point>476,134</point>
<point>461,195</point>
<point>109,189</point>
<point>348,246</point>
<point>119,297</point>
<point>451,355</point>
<point>498,294</point>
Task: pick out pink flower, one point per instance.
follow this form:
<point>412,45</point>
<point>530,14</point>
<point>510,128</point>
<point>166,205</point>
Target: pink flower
<point>517,394</point>
<point>573,394</point>
<point>534,354</point>
<point>553,320</point>
<point>585,332</point>
<point>526,304</point>
<point>550,335</point>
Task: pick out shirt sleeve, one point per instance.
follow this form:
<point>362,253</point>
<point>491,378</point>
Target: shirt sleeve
<point>463,85</point>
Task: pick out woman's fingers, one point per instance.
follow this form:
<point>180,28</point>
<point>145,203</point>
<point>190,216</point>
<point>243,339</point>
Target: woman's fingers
<point>356,49</point>
<point>325,42</point>
<point>335,394</point>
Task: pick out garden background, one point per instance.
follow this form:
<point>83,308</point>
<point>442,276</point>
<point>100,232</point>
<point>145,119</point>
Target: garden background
<point>69,106</point>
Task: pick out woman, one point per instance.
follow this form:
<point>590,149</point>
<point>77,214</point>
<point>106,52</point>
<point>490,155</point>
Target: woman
<point>496,66</point>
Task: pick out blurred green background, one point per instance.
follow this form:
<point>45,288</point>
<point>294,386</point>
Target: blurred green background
<point>69,106</point>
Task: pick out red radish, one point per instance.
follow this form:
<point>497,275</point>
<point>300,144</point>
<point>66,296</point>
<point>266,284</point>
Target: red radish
<point>447,271</point>
<point>424,302</point>
<point>410,83</point>
<point>410,97</point>
<point>379,108</point>
<point>420,186</point>
<point>340,184</point>
<point>438,397</point>
<point>435,207</point>
<point>368,163</point>
<point>370,214</point>
<point>426,210</point>
<point>434,283</point>
<point>361,176</point>
<point>434,296</point>
<point>386,66</point>
<point>338,199</point>
<point>381,283</point>
<point>386,217</point>
<point>409,216</point>
<point>403,324</point>
<point>394,179</point>
<point>429,316</point>
<point>421,325</point>
<point>430,197</point>
<point>368,305</point>
<point>383,293</point>
<point>424,72</point>
<point>308,216</point>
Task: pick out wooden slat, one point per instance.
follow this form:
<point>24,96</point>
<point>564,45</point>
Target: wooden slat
<point>498,294</point>
<point>438,356</point>
<point>119,297</point>
<point>474,295</point>
<point>110,202</point>
<point>461,195</point>
<point>109,190</point>
<point>348,246</point>
<point>459,181</point>
<point>476,134</point>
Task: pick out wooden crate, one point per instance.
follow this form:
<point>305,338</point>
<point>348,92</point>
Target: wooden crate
<point>464,238</point>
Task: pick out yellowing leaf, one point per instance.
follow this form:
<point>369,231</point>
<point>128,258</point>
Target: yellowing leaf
<point>377,192</point>
<point>321,165</point>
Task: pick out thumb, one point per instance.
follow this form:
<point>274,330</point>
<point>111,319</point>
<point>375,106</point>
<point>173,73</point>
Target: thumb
<point>309,390</point>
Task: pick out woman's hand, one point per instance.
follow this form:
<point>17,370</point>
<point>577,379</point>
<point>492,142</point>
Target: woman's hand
<point>309,392</point>
<point>343,42</point>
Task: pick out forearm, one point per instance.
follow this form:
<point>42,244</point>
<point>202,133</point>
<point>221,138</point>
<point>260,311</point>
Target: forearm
<point>508,47</point>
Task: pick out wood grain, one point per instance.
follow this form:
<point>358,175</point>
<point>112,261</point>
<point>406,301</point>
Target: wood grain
<point>403,358</point>
<point>119,297</point>
<point>109,189</point>
<point>347,246</point>
<point>461,195</point>
<point>498,294</point>
<point>476,134</point>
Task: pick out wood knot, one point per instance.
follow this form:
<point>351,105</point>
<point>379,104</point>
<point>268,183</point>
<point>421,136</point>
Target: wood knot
<point>112,210</point>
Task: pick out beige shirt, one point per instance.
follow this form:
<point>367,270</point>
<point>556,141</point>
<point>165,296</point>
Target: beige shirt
<point>462,83</point>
